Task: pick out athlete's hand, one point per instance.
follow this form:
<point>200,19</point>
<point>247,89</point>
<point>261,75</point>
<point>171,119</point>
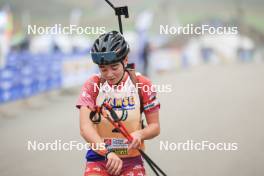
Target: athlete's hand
<point>137,138</point>
<point>114,164</point>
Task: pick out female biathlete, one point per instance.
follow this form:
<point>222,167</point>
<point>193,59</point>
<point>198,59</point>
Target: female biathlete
<point>109,52</point>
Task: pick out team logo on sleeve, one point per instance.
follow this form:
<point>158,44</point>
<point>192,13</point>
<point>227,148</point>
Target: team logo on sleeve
<point>84,94</point>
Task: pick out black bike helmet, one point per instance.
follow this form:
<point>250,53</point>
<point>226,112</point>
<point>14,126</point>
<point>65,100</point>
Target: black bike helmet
<point>109,48</point>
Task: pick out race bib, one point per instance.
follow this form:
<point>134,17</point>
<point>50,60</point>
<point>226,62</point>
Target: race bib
<point>117,145</point>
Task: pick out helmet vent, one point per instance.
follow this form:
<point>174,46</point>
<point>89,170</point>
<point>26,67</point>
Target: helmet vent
<point>103,49</point>
<point>106,38</point>
<point>114,47</point>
